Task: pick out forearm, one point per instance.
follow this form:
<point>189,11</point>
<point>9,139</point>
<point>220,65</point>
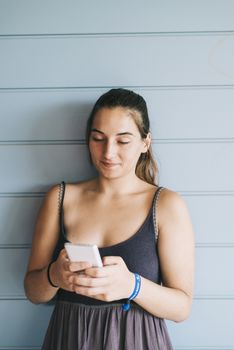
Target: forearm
<point>37,287</point>
<point>163,302</point>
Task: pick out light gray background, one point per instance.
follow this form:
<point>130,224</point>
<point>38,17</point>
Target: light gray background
<point>56,58</point>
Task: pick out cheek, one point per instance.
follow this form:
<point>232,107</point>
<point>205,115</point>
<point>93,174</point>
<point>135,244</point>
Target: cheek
<point>94,148</point>
<point>132,153</point>
<point>92,153</point>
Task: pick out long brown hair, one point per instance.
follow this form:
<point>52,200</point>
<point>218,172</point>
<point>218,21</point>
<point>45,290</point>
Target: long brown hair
<point>146,167</point>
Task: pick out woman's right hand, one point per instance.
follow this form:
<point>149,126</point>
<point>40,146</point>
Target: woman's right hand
<point>63,270</point>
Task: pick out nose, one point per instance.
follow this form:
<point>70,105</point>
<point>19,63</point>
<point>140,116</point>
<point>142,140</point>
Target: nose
<point>109,150</point>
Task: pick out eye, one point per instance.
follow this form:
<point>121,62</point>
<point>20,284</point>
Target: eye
<point>96,139</point>
<point>124,142</point>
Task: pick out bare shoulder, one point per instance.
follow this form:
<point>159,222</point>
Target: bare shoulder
<point>170,199</point>
<point>171,209</point>
<point>51,197</point>
<point>46,230</point>
<point>76,190</point>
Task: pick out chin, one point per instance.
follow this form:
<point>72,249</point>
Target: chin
<point>109,176</point>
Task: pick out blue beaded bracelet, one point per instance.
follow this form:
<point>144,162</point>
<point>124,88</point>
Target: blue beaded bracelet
<point>126,306</point>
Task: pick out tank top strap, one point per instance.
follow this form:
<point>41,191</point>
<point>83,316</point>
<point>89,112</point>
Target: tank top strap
<point>155,201</point>
<point>60,199</point>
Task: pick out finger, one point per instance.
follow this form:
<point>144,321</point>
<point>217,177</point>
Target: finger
<point>111,260</point>
<point>63,253</point>
<point>88,291</point>
<point>80,273</point>
<point>89,281</point>
<point>78,266</point>
<point>96,272</point>
<point>64,259</point>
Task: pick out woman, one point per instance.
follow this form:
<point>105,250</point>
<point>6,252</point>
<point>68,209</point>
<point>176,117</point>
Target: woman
<point>145,241</point>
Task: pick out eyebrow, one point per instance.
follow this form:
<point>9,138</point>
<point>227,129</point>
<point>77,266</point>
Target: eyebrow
<point>120,133</point>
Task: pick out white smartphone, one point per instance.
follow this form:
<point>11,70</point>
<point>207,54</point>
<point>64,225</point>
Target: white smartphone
<point>84,252</point>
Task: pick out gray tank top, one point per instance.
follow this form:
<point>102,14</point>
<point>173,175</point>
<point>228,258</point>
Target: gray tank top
<point>139,252</point>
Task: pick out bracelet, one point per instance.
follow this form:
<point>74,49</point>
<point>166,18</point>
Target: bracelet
<point>126,306</point>
<point>48,275</point>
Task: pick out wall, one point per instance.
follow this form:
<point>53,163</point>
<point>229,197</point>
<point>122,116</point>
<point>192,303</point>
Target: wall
<point>56,58</point>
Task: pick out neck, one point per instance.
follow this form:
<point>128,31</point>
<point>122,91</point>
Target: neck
<point>119,186</point>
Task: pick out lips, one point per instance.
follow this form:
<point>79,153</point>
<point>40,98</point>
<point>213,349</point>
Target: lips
<point>109,165</point>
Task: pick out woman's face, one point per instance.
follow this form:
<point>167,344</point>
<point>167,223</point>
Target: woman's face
<point>115,143</point>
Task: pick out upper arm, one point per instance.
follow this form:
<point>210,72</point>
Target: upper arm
<point>175,242</point>
<point>46,231</point>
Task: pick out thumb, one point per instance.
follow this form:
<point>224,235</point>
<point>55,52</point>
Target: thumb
<point>111,260</point>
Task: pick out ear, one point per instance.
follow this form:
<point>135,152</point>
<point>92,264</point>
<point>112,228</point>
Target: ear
<point>146,143</point>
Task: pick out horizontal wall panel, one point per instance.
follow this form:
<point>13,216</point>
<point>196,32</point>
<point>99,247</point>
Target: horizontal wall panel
<point>99,61</point>
<point>17,219</point>
<point>23,324</point>
<point>212,217</point>
<point>191,113</point>
<point>212,224</point>
<point>39,166</point>
<point>13,265</point>
<point>210,280</point>
<point>62,114</point>
<point>210,266</point>
<point>46,114</point>
<point>76,16</point>
<point>210,325</point>
<point>196,166</point>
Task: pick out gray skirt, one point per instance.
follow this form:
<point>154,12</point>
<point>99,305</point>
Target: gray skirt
<point>76,326</point>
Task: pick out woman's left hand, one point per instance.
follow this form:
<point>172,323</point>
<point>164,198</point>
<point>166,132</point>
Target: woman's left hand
<point>111,282</point>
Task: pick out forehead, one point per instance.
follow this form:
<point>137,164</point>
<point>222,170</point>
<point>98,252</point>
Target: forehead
<point>115,120</point>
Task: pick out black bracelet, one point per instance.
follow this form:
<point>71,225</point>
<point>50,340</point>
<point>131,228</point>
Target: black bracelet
<point>48,275</point>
